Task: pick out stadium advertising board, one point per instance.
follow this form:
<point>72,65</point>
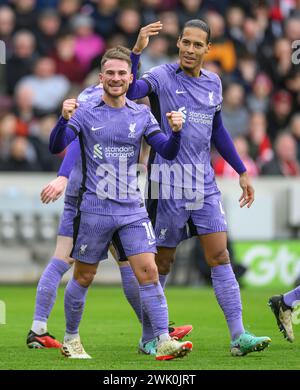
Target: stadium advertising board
<point>274,264</point>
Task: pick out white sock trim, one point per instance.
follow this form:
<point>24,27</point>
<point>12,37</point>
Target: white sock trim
<point>163,337</point>
<point>39,327</point>
<point>71,336</point>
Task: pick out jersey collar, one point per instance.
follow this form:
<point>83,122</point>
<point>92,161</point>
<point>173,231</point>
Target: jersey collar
<point>128,103</point>
<point>180,71</point>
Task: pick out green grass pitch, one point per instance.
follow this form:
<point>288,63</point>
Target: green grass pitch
<point>110,333</point>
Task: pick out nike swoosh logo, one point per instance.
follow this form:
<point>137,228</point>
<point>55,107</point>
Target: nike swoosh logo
<point>97,128</point>
<point>151,242</point>
<point>178,92</point>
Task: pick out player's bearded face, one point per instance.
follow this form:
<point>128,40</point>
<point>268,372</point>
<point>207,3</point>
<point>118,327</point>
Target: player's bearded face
<point>192,48</point>
<point>116,77</point>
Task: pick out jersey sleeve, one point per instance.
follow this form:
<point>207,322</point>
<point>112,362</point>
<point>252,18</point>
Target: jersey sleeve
<point>154,78</point>
<point>72,155</point>
<point>225,146</point>
<point>75,123</point>
<point>152,126</point>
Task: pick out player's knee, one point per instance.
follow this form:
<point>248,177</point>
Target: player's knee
<point>153,272</point>
<point>85,278</point>
<point>219,258</point>
<point>164,265</point>
<point>148,275</point>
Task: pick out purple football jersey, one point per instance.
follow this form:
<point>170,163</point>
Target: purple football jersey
<point>198,98</point>
<point>110,140</point>
<point>90,94</point>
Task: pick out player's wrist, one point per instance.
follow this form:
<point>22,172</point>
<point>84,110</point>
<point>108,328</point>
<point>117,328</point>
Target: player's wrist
<point>136,51</point>
<point>62,178</point>
<point>64,118</point>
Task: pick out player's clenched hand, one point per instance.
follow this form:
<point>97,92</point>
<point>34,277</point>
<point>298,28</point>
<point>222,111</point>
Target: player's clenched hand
<point>68,108</point>
<point>54,190</point>
<point>247,197</point>
<point>175,119</point>
<point>144,34</point>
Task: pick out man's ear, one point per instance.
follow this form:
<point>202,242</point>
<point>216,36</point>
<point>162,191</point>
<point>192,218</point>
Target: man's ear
<point>131,78</point>
<point>208,47</point>
<point>100,77</point>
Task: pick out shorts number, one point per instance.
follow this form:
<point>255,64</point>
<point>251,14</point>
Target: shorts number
<point>149,230</point>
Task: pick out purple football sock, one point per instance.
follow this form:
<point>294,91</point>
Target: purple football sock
<point>227,292</point>
<point>148,334</point>
<point>155,305</point>
<point>75,296</point>
<point>291,297</point>
<point>162,280</point>
<point>47,288</point>
<point>132,293</point>
<point>131,289</point>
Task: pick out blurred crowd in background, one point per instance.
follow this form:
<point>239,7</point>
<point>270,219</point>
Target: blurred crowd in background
<point>54,47</point>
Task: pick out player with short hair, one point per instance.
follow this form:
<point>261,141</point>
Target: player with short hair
<point>197,93</point>
<point>60,263</point>
<point>282,306</point>
<point>38,336</point>
<point>111,208</point>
